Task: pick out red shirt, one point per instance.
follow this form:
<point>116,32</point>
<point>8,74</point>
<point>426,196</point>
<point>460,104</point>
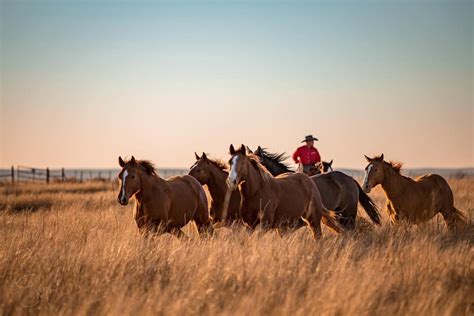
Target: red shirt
<point>307,156</point>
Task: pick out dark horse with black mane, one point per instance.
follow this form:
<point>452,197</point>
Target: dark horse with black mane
<point>339,192</point>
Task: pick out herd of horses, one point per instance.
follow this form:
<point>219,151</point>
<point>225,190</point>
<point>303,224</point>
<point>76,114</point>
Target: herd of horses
<point>258,188</point>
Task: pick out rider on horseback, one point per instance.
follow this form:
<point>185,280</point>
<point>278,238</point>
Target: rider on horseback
<point>307,155</point>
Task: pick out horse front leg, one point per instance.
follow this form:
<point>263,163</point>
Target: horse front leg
<point>394,218</point>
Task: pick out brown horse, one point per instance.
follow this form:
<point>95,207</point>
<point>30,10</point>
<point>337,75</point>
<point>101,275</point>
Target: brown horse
<point>339,192</point>
<point>277,202</point>
<point>324,167</point>
<point>413,201</point>
<point>167,204</point>
<point>213,174</point>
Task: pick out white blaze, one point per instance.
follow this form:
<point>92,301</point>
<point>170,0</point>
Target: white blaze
<point>124,177</point>
<point>367,174</point>
<point>233,169</point>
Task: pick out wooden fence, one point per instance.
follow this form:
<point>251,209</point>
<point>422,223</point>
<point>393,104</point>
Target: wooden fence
<point>47,175</point>
<point>8,176</point>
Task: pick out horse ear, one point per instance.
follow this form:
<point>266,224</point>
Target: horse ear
<point>242,149</point>
<point>231,150</point>
<point>249,150</point>
<point>381,157</point>
<point>368,158</point>
<point>121,162</point>
<point>132,160</point>
<point>204,156</point>
<point>197,156</point>
<point>330,163</point>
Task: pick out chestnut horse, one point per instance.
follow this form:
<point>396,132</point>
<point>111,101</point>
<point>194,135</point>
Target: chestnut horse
<point>339,191</point>
<point>413,201</point>
<point>167,204</point>
<point>277,202</point>
<point>213,174</point>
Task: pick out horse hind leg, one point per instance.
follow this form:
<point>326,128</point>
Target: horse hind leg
<point>313,219</point>
<point>201,217</point>
<point>454,219</point>
<point>347,217</point>
<point>315,225</point>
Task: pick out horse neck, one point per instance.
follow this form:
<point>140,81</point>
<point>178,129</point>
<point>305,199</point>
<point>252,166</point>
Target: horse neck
<point>217,184</point>
<point>150,184</point>
<point>393,183</point>
<point>253,182</point>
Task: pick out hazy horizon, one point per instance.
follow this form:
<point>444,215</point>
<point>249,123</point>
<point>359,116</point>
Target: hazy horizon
<point>84,82</point>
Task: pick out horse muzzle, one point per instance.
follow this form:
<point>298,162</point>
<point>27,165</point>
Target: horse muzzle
<point>232,184</point>
<point>367,188</point>
<point>123,200</point>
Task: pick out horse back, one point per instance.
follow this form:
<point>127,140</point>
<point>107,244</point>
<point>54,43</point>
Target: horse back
<point>435,185</point>
<point>336,188</point>
<point>295,187</point>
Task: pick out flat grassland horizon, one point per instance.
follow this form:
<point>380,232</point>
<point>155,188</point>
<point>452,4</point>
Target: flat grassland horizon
<point>71,249</point>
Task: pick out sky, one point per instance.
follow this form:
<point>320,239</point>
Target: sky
<point>83,82</point>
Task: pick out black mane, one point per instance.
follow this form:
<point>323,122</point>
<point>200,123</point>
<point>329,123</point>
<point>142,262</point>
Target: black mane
<point>278,159</point>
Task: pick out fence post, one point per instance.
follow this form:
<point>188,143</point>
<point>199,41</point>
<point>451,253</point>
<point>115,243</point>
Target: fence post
<point>100,175</point>
<point>33,172</point>
<point>63,175</point>
<point>13,175</point>
<point>110,176</point>
<point>47,175</point>
<point>81,175</point>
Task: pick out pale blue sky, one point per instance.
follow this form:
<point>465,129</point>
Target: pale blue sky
<point>83,82</point>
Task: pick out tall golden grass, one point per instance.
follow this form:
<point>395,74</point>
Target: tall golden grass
<point>71,249</point>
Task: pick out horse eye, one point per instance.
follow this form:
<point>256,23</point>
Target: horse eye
<point>133,177</point>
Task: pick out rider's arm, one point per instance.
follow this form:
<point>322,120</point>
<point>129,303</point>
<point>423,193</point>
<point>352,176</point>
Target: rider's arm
<point>318,156</point>
<point>296,156</point>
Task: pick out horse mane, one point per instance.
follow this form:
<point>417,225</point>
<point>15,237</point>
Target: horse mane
<point>262,170</point>
<point>146,165</point>
<point>278,159</point>
<point>219,164</point>
<point>396,166</point>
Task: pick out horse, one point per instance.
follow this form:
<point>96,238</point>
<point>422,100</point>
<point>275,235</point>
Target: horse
<point>412,200</point>
<point>213,174</point>
<point>162,204</point>
<point>276,202</point>
<point>339,191</point>
<point>325,166</point>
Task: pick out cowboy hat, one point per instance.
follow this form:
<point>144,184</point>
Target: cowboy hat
<point>309,138</point>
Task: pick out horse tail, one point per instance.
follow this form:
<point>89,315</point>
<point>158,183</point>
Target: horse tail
<point>369,206</point>
<point>456,220</point>
<point>459,216</point>
<point>329,219</point>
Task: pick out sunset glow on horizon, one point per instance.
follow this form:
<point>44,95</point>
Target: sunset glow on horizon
<point>82,83</point>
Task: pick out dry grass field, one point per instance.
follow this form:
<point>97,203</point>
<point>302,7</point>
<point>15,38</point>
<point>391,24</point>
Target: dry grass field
<point>71,249</point>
